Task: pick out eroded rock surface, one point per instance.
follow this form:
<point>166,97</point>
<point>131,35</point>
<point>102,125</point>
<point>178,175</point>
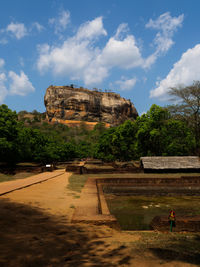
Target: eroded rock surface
<point>65,103</point>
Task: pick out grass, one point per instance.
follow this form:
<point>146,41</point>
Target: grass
<point>20,175</point>
<point>169,246</point>
<point>97,166</point>
<point>76,182</point>
<point>76,196</point>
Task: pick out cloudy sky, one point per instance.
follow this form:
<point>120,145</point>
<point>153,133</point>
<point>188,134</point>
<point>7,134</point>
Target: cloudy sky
<point>138,48</point>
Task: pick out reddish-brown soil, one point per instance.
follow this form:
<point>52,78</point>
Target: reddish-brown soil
<point>35,230</point>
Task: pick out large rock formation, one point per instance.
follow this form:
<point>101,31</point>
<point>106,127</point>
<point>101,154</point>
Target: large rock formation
<point>69,105</point>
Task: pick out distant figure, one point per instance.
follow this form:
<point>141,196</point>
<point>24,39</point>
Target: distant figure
<point>172,219</point>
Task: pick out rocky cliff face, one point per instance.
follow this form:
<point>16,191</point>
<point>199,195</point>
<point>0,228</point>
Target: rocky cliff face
<point>65,104</point>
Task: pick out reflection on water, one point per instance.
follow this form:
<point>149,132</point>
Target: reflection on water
<point>136,212</point>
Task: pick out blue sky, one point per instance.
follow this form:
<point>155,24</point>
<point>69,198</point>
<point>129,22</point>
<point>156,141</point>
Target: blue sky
<point>138,48</point>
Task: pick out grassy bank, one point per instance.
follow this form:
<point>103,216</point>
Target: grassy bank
<point>20,175</point>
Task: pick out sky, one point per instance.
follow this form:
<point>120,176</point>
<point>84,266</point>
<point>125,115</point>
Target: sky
<point>137,48</point>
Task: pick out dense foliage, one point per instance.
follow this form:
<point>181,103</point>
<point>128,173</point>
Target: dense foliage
<point>9,130</point>
<point>153,133</point>
<point>187,108</point>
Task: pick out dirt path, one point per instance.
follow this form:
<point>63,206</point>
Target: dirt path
<point>10,186</point>
<point>35,230</point>
<point>51,196</point>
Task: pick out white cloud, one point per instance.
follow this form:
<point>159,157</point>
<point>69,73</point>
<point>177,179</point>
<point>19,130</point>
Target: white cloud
<point>163,42</point>
<point>166,23</point>
<point>94,74</point>
<point>17,29</point>
<point>68,59</point>
<point>150,60</point>
<point>61,21</point>
<point>2,62</point>
<point>123,28</point>
<point>184,72</point>
<point>20,84</point>
<point>126,84</point>
<point>16,84</point>
<point>38,26</point>
<point>78,57</point>
<point>118,52</point>
<point>121,53</point>
<point>91,29</point>
<point>3,89</point>
<point>166,26</point>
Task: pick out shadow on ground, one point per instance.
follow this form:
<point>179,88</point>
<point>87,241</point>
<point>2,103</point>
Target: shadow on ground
<point>29,237</point>
<point>185,249</point>
<point>169,255</point>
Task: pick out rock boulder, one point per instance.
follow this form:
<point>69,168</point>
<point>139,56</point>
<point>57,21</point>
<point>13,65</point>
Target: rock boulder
<point>67,104</point>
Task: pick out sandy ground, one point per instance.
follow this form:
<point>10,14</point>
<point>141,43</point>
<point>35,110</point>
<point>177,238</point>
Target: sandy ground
<point>35,230</point>
<point>51,196</point>
<point>12,185</point>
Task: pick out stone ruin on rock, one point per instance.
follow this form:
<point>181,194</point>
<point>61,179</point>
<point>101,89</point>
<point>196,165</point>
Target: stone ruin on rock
<point>69,105</point>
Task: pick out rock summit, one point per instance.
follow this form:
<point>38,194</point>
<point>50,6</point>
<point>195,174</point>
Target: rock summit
<point>66,104</point>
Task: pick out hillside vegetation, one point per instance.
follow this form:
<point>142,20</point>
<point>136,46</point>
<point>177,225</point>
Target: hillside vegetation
<point>155,133</point>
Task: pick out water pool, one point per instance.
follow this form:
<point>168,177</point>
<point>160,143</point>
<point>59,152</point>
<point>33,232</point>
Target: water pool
<point>137,212</point>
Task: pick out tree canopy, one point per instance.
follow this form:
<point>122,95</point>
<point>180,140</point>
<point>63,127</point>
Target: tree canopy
<point>152,134</point>
<point>156,133</point>
<point>9,130</point>
<point>187,107</point>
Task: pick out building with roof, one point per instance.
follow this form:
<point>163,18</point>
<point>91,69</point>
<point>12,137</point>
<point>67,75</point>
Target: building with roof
<point>170,164</point>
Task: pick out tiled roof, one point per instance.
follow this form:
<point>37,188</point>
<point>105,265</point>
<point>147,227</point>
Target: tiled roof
<point>159,163</point>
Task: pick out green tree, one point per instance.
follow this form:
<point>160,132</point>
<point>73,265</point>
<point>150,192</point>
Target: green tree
<point>158,134</point>
<point>124,142</point>
<point>104,147</point>
<point>187,107</point>
<point>31,143</point>
<point>178,139</point>
<point>149,135</point>
<point>118,143</point>
<point>9,128</point>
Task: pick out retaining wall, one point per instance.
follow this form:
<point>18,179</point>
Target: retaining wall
<point>186,223</point>
<point>93,208</point>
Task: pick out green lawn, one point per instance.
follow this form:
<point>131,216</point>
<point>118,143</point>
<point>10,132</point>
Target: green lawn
<point>20,175</point>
